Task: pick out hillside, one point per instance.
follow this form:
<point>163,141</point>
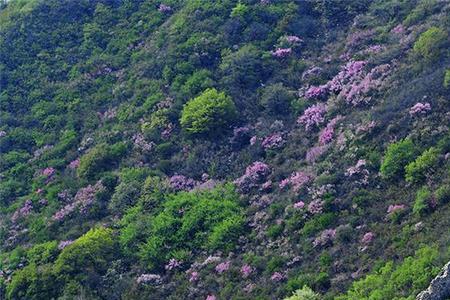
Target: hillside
<point>253,149</point>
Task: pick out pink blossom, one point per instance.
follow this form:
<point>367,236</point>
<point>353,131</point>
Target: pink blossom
<point>326,237</point>
<point>172,264</point>
<point>420,109</point>
<point>253,140</point>
<point>282,52</point>
<point>395,207</point>
<point>194,276</point>
<point>316,207</point>
<point>211,297</point>
<point>181,183</point>
<point>140,143</point>
<point>149,278</point>
<point>299,205</point>
<point>313,154</point>
<point>223,267</point>
<point>277,276</point>
<point>367,238</point>
<point>399,29</point>
<point>2,133</point>
<point>23,211</point>
<point>246,270</point>
<point>48,172</point>
<point>293,39</point>
<point>64,244</point>
<point>74,164</point>
<point>326,135</point>
<point>316,92</point>
<point>164,8</point>
<point>255,174</point>
<point>273,141</point>
<point>313,116</point>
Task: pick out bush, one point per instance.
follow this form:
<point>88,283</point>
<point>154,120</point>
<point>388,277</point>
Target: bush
<point>422,200</point>
<point>100,158</point>
<point>396,157</point>
<point>417,170</point>
<point>33,283</point>
<point>276,98</point>
<point>208,113</point>
<point>304,293</point>
<point>87,257</point>
<point>194,221</point>
<point>447,78</point>
<point>442,194</point>
<point>430,43</point>
<point>397,281</point>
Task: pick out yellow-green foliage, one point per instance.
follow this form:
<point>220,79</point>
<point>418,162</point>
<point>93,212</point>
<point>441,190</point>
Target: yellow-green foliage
<point>305,293</point>
<point>208,112</point>
<point>400,282</point>
<point>397,156</point>
<point>430,43</point>
<point>417,170</point>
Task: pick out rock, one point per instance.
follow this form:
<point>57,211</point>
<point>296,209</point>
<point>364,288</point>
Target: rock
<point>439,288</point>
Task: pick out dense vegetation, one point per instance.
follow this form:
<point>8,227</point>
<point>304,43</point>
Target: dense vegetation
<point>253,149</point>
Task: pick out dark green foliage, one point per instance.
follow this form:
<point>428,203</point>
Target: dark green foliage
<point>276,98</point>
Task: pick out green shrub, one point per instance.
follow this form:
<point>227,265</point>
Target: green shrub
<point>417,170</point>
<point>442,194</point>
<point>208,113</point>
<point>32,283</point>
<point>87,257</point>
<point>430,43</point>
<point>43,253</point>
<point>194,221</point>
<point>304,293</point>
<point>276,98</point>
<point>397,281</point>
<point>422,200</point>
<point>396,157</point>
<point>447,78</point>
<point>100,158</point>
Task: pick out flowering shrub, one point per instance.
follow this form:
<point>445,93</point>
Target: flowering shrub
<point>64,244</point>
<point>313,116</point>
<point>255,174</point>
<point>139,142</point>
<point>223,267</point>
<point>277,276</point>
<point>395,208</point>
<point>74,164</point>
<point>367,238</point>
<point>149,278</point>
<point>172,264</point>
<point>420,109</point>
<point>299,205</point>
<point>210,297</point>
<point>83,199</point>
<point>297,180</point>
<point>325,238</point>
<point>48,172</point>
<point>23,211</point>
<point>273,141</point>
<point>194,276</point>
<point>164,8</point>
<point>181,183</point>
<point>316,92</point>
<point>246,270</point>
<point>282,52</point>
<point>316,207</point>
<point>360,171</point>
<point>326,135</point>
<point>314,153</point>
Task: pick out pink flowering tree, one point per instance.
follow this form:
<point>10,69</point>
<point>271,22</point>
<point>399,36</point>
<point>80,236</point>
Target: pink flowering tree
<point>255,174</point>
<point>313,116</point>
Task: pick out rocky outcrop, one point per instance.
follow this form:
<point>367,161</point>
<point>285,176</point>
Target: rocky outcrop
<point>439,288</point>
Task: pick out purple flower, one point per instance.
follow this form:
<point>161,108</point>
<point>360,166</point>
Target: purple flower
<point>326,135</point>
<point>277,276</point>
<point>48,172</point>
<point>326,237</point>
<point>273,141</point>
<point>246,270</point>
<point>313,116</point>
<point>2,133</point>
<point>299,205</point>
<point>64,244</point>
<point>293,39</point>
<point>149,278</point>
<point>399,29</point>
<point>316,92</point>
<point>223,267</point>
<point>194,276</point>
<point>282,52</point>
<point>315,152</point>
<point>181,183</point>
<point>211,297</point>
<point>74,164</point>
<point>367,238</point>
<point>255,174</point>
<point>420,109</point>
<point>164,8</point>
<point>172,264</point>
<point>395,208</point>
<point>315,207</point>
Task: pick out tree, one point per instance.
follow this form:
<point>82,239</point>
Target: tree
<point>208,113</point>
<point>397,156</point>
